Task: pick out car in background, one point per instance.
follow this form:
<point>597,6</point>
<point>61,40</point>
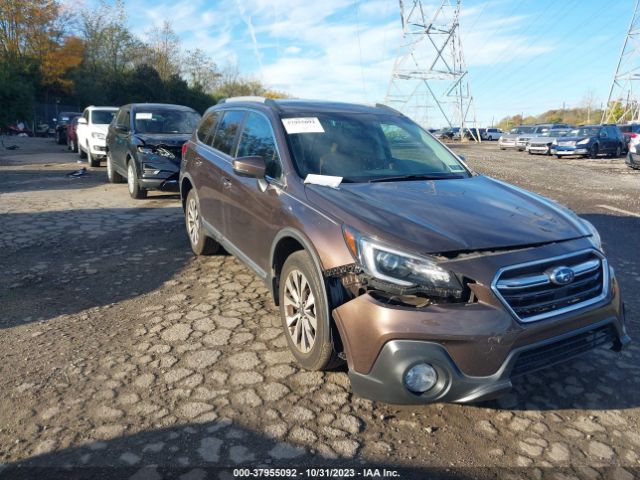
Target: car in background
<point>632,158</point>
<point>71,134</point>
<point>380,246</point>
<point>474,133</point>
<point>62,120</point>
<point>492,134</point>
<point>508,140</point>
<point>590,141</point>
<point>630,131</point>
<point>541,144</point>
<point>451,133</point>
<point>523,140</point>
<point>144,145</point>
<point>92,133</point>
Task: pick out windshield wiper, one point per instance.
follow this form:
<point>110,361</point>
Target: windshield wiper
<point>414,176</point>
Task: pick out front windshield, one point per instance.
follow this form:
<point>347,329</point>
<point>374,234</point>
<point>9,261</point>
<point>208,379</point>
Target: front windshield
<point>585,132</point>
<point>554,133</point>
<point>102,117</point>
<point>519,130</point>
<point>368,147</point>
<point>166,121</point>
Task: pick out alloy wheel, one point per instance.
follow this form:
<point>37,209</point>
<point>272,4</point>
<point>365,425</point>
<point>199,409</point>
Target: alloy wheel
<point>193,221</point>
<point>300,311</point>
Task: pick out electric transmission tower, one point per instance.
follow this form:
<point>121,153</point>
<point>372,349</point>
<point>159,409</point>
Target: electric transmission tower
<point>430,80</point>
<point>623,103</point>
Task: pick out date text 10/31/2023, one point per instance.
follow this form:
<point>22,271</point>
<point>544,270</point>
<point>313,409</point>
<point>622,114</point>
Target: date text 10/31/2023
<point>315,473</point>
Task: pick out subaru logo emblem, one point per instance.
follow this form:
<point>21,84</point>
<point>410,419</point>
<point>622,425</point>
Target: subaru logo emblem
<point>562,275</point>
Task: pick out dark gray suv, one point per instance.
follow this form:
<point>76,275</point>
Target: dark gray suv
<point>382,248</point>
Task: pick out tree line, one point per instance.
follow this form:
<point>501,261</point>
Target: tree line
<point>50,54</point>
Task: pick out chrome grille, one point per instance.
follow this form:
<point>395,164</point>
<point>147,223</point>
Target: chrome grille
<point>529,292</point>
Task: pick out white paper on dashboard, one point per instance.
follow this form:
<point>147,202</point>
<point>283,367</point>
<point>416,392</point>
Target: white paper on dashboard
<point>302,125</point>
<point>144,116</point>
<point>324,180</point>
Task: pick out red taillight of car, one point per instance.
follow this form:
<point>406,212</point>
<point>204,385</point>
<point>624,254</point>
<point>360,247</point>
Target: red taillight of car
<point>632,135</point>
<point>184,148</point>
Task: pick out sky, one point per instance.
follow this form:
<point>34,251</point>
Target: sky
<point>523,56</point>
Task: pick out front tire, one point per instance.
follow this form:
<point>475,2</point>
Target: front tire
<point>135,190</point>
<point>304,309</point>
<point>81,153</point>
<point>93,162</point>
<point>112,175</point>
<point>201,244</point>
<point>594,152</point>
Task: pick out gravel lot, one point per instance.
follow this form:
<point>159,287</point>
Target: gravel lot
<point>120,349</point>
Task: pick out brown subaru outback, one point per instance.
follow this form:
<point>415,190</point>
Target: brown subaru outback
<point>382,248</point>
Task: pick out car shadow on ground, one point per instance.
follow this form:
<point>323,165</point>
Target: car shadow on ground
<point>64,262</point>
<point>214,450</point>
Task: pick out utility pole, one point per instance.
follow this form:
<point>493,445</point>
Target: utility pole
<point>626,80</point>
<point>430,71</point>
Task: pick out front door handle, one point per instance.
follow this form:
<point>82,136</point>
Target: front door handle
<point>226,183</point>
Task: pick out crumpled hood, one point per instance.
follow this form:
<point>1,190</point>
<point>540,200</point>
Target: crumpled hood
<point>169,139</point>
<point>476,213</point>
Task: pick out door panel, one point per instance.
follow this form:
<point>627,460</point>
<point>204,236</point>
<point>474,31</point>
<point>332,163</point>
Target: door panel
<point>253,204</point>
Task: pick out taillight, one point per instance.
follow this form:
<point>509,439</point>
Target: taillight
<point>633,135</point>
<point>184,148</point>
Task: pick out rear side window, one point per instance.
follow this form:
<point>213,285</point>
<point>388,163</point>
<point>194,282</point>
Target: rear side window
<point>257,140</point>
<point>227,130</point>
<point>207,126</point>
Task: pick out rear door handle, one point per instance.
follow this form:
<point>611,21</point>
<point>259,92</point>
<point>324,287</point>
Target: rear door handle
<point>226,183</point>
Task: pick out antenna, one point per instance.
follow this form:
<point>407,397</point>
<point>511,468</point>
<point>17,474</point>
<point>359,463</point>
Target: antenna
<point>430,72</point>
<point>623,103</point>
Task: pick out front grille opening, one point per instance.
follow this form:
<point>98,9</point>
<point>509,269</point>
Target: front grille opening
<point>561,350</point>
<point>530,293</point>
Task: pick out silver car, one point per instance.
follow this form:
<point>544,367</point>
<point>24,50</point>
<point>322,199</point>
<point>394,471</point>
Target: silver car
<point>541,144</point>
<point>508,140</point>
<point>523,140</point>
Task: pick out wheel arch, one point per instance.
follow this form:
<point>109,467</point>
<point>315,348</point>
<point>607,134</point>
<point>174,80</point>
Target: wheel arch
<point>286,242</point>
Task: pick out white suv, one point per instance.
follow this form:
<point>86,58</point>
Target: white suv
<point>92,133</point>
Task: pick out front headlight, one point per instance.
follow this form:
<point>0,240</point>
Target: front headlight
<point>596,240</point>
<point>145,150</point>
<point>583,142</point>
<point>401,268</point>
<point>98,135</point>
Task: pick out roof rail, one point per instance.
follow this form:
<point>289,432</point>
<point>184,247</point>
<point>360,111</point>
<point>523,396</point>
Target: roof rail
<point>251,98</point>
<point>387,107</point>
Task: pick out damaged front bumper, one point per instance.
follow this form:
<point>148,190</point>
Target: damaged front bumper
<point>476,348</point>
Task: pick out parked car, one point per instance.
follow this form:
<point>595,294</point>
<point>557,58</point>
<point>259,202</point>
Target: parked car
<point>381,247</point>
<point>474,133</point>
<point>72,134</point>
<point>633,152</point>
<point>61,126</point>
<point>144,145</point>
<point>492,134</point>
<point>541,144</point>
<point>630,131</point>
<point>590,141</point>
<point>523,140</point>
<point>451,133</point>
<point>508,140</point>
<point>92,133</point>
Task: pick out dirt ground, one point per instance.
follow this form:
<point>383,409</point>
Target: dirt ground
<point>125,355</point>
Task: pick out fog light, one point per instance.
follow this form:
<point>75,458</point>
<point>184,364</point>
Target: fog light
<point>420,378</point>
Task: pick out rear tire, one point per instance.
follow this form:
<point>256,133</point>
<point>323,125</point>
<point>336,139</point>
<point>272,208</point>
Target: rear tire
<point>304,310</point>
<point>135,190</point>
<point>200,243</point>
<point>112,175</point>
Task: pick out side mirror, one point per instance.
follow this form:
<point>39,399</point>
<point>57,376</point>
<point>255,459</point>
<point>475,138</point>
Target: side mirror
<point>253,167</point>
<point>82,121</point>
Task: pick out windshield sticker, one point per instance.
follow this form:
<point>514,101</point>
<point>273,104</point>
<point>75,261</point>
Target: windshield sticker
<point>324,180</point>
<point>144,116</point>
<point>302,125</point>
